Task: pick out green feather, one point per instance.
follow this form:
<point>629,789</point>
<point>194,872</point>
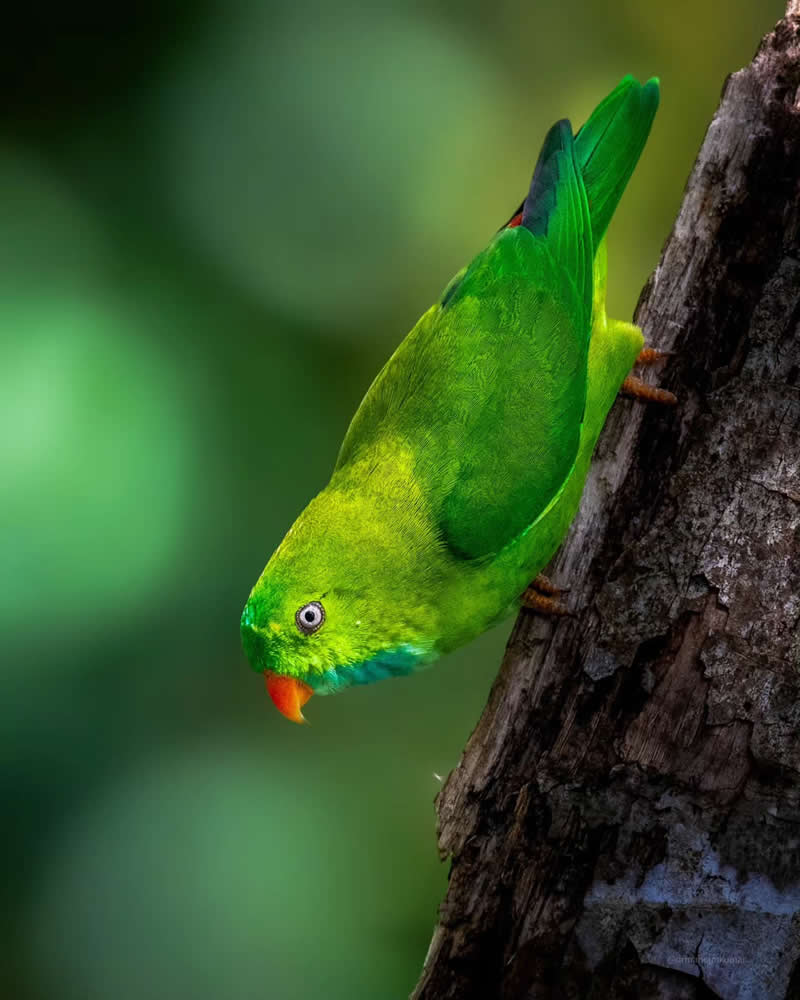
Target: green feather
<point>464,465</point>
<point>508,352</point>
<point>609,145</point>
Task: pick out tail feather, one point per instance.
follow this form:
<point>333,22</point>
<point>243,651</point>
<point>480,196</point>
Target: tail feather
<point>557,209</point>
<point>608,148</point>
<point>609,145</point>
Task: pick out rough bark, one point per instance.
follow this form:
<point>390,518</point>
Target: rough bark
<point>625,819</point>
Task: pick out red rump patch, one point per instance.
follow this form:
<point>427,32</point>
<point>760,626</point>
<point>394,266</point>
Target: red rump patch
<point>516,221</point>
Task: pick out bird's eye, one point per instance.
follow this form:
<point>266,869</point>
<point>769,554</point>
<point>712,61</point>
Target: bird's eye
<point>310,617</point>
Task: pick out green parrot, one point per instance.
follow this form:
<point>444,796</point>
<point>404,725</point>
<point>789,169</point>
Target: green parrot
<point>464,465</point>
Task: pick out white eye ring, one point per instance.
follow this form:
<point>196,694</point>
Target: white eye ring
<point>310,617</point>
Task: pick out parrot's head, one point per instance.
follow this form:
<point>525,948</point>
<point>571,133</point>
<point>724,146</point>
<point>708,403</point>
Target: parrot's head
<point>334,606</point>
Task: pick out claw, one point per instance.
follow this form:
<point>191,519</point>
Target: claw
<point>649,355</point>
<point>545,585</point>
<point>545,605</point>
<point>633,386</point>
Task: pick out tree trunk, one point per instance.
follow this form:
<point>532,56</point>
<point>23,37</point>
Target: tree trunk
<point>625,819</point>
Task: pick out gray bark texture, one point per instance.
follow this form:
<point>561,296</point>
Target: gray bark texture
<point>625,819</point>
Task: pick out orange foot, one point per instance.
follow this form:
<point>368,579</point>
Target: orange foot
<point>633,386</point>
<point>545,585</point>
<point>541,596</point>
<point>649,356</point>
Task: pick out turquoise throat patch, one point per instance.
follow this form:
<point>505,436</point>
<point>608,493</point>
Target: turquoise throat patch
<point>391,663</point>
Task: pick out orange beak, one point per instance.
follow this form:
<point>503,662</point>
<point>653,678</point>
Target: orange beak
<point>289,695</point>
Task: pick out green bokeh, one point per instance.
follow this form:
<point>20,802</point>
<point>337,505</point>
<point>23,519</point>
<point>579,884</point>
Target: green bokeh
<point>215,231</point>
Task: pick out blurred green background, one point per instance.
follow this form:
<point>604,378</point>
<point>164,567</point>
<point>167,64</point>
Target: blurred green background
<point>217,222</point>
